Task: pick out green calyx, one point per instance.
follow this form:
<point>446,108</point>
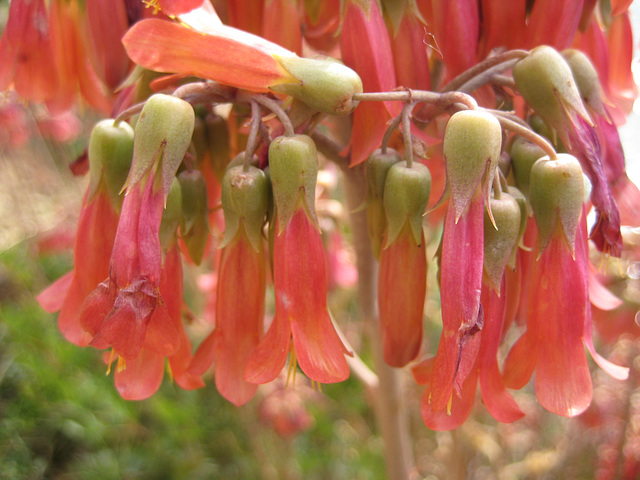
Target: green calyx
<point>245,201</point>
<point>162,135</point>
<point>523,155</point>
<point>377,167</point>
<point>472,145</point>
<point>586,78</point>
<point>110,154</point>
<point>546,82</point>
<point>501,242</point>
<point>171,216</point>
<point>556,193</point>
<point>194,223</point>
<point>293,167</point>
<point>406,194</point>
<point>326,85</point>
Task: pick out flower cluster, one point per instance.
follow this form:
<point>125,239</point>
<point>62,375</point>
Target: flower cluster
<point>476,111</point>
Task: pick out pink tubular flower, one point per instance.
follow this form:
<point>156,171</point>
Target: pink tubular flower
<point>94,241</point>
<point>299,275</point>
<point>366,48</point>
<point>300,286</point>
<point>241,282</point>
<point>485,371</point>
<point>26,60</point>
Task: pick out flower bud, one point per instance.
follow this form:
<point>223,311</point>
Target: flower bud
<point>326,85</point>
<point>162,134</point>
<point>586,78</point>
<point>500,242</point>
<point>523,155</point>
<point>110,154</point>
<point>556,193</point>
<point>194,224</point>
<point>472,144</point>
<point>293,166</point>
<point>218,142</point>
<point>378,165</point>
<point>545,81</point>
<point>406,194</point>
<point>171,216</point>
<point>245,201</point>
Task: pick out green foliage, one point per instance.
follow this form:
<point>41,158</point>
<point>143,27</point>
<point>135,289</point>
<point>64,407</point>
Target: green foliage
<point>61,416</point>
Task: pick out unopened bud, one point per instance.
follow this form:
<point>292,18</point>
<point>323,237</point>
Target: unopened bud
<point>586,78</point>
<point>501,240</point>
<point>472,145</point>
<point>378,165</point>
<point>523,155</point>
<point>545,81</point>
<point>406,195</point>
<point>194,225</point>
<point>326,85</point>
<point>110,154</point>
<point>556,193</point>
<point>293,167</point>
<point>245,201</point>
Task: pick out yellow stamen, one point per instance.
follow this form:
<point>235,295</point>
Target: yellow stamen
<point>110,361</point>
<point>122,365</point>
<point>316,386</point>
<point>170,372</point>
<point>449,403</point>
<point>155,4</point>
<point>293,363</point>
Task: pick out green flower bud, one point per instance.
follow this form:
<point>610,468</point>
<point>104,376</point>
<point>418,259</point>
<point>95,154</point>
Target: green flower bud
<point>162,134</point>
<point>171,216</point>
<point>523,155</point>
<point>326,85</point>
<point>245,201</point>
<point>218,143</point>
<point>586,78</point>
<point>406,194</point>
<point>472,145</point>
<point>500,243</point>
<point>545,81</point>
<point>194,225</point>
<point>293,166</point>
<point>556,193</point>
<point>110,154</point>
<point>378,165</point>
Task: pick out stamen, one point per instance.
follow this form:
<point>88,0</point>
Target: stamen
<point>122,364</point>
<point>449,403</point>
<point>110,362</point>
<point>155,4</point>
<point>293,363</point>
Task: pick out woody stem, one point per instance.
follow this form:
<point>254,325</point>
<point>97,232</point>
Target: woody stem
<point>389,408</point>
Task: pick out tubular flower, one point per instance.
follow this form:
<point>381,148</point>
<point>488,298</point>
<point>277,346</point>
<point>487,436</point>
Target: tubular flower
<point>127,311</point>
<point>241,286</point>
<point>25,52</point>
<point>558,312</point>
<point>402,279</point>
<point>471,147</point>
<point>110,153</point>
<point>546,82</point>
<point>202,46</point>
<point>366,48</point>
<point>299,275</point>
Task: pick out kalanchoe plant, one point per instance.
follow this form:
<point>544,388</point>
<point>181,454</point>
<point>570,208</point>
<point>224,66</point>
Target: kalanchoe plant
<point>459,97</point>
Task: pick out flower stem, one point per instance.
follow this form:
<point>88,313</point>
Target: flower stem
<point>506,59</point>
<point>519,129</point>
